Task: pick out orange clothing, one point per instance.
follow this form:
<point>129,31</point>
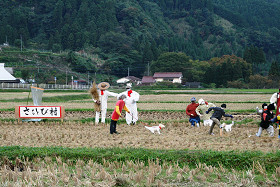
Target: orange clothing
<point>118,110</point>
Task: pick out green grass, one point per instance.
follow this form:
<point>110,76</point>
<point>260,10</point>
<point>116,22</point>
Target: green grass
<point>165,91</point>
<point>239,160</point>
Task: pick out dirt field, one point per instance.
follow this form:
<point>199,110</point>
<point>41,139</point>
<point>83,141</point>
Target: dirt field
<point>174,136</point>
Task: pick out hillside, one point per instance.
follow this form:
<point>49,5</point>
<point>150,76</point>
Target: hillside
<point>44,66</point>
<point>133,33</point>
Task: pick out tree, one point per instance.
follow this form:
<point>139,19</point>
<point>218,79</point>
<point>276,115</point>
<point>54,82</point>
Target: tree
<point>172,62</point>
<point>256,57</point>
<point>227,68</point>
<point>274,71</point>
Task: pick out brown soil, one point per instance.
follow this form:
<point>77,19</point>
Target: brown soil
<point>174,136</point>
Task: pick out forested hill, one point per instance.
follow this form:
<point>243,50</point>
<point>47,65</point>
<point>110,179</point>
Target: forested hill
<point>133,33</point>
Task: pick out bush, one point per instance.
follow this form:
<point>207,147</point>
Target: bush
<point>237,84</point>
<point>166,84</point>
<point>259,82</point>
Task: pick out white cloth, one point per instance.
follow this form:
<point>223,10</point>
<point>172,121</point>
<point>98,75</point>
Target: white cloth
<point>273,99</point>
<point>131,104</point>
<point>270,131</point>
<point>103,102</point>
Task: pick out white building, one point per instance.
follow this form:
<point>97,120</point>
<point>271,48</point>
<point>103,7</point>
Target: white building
<point>174,77</point>
<point>129,79</point>
<point>5,76</point>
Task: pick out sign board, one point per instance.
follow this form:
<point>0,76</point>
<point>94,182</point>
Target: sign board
<point>39,112</point>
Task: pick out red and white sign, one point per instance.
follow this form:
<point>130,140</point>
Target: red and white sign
<point>40,112</point>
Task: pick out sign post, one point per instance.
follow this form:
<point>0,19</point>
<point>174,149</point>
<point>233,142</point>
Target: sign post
<point>38,112</point>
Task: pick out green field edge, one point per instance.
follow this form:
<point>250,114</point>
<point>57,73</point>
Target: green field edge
<point>139,110</point>
<point>238,160</point>
<point>162,91</point>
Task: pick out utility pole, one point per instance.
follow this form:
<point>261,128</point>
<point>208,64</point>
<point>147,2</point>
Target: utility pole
<point>128,72</point>
<point>66,77</point>
<point>54,82</point>
<point>148,69</point>
<point>20,42</point>
<point>72,82</point>
<point>88,77</point>
<point>95,77</point>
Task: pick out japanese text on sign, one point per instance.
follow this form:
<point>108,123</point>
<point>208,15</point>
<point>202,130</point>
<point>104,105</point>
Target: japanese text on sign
<point>39,111</point>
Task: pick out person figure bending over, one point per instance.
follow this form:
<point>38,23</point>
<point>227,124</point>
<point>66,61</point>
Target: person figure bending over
<point>117,114</point>
<point>190,111</point>
<point>216,117</point>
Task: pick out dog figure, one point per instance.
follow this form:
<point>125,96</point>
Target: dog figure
<point>154,129</point>
<point>207,122</point>
<point>227,127</point>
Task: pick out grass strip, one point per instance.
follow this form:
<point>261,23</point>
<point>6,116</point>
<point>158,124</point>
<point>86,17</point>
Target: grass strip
<point>139,110</point>
<point>62,98</point>
<point>229,159</point>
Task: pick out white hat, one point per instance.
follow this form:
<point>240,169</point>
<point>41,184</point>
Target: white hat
<point>128,85</point>
<point>201,102</point>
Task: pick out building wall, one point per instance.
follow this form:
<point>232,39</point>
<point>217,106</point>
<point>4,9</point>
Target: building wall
<point>173,80</point>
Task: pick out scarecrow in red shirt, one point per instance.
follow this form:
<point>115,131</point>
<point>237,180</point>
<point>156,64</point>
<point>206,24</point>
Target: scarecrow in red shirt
<point>117,113</point>
<point>190,111</point>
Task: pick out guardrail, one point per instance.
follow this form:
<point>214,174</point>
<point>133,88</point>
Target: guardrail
<point>44,86</point>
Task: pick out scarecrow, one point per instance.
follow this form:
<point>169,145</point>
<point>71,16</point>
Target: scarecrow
<point>100,98</point>
<point>276,101</point>
<point>190,111</point>
<point>117,113</point>
<point>201,109</point>
<point>216,117</point>
<point>131,98</point>
<point>266,121</point>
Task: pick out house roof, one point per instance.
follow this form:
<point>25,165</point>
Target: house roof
<point>4,74</point>
<point>132,78</point>
<point>167,74</point>
<point>127,79</point>
<point>148,79</point>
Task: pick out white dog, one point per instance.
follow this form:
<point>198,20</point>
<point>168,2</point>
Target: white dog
<point>227,127</point>
<point>153,129</point>
<point>207,122</point>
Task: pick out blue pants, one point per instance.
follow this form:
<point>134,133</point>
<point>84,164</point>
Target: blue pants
<point>194,120</point>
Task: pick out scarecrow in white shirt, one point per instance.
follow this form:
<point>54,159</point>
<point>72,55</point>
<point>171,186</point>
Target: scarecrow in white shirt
<point>101,101</point>
<point>131,98</point>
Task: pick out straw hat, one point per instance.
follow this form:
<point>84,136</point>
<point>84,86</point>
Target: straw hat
<point>103,85</point>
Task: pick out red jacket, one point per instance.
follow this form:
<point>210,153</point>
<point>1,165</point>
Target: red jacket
<point>191,109</point>
<point>118,110</point>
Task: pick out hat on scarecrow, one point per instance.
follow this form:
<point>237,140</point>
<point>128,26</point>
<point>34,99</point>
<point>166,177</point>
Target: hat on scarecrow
<point>224,106</point>
<point>201,102</point>
<point>128,85</point>
<point>193,99</point>
<point>103,85</point>
<point>271,107</point>
<point>264,106</point>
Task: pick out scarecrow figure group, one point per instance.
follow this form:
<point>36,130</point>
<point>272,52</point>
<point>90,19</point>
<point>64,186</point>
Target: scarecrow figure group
<point>208,112</point>
<point>127,100</point>
<point>267,115</point>
<point>202,109</point>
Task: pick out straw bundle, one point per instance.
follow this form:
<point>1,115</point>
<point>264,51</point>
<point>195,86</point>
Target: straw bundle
<point>94,93</point>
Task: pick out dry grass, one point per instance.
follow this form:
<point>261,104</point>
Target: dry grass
<point>48,173</point>
<point>174,136</point>
<point>207,97</point>
<point>24,95</point>
<point>141,106</point>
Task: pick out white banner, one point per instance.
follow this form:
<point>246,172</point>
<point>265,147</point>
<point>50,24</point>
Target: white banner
<point>40,112</point>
